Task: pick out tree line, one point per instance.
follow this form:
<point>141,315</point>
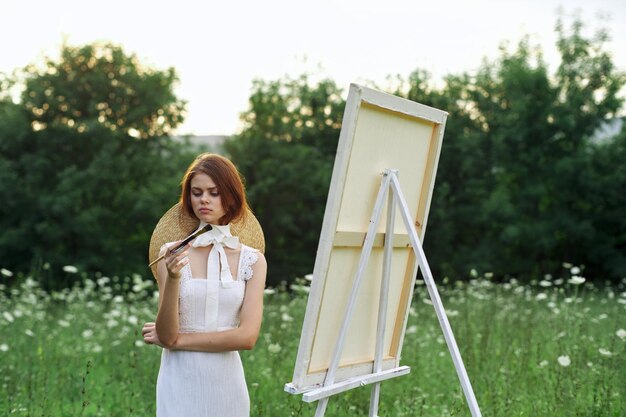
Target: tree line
<point>526,180</point>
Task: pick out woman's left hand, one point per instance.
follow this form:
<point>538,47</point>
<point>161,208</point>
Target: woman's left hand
<point>150,335</point>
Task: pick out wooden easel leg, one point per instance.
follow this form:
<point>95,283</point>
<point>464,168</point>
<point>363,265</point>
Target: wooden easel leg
<point>384,297</point>
<point>321,407</point>
<point>436,300</point>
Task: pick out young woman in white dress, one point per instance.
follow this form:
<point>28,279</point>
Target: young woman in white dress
<point>210,301</point>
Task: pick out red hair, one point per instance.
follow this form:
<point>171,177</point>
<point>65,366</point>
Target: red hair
<point>228,181</point>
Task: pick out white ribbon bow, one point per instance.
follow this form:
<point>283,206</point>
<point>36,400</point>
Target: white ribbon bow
<point>217,263</point>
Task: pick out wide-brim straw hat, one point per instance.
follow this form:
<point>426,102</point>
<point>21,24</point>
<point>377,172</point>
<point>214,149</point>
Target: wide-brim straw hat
<point>177,225</point>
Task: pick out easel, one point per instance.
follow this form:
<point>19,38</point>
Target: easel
<point>390,187</point>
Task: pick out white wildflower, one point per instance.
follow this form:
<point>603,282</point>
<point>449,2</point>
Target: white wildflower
<point>87,333</point>
<point>46,266</point>
<point>8,316</point>
<point>567,265</point>
<point>621,333</point>
<point>29,332</point>
<point>605,352</point>
<point>96,349</point>
<point>103,281</point>
<point>564,360</point>
<point>419,282</point>
<point>118,299</point>
<point>70,269</point>
<point>112,323</point>
<point>543,363</point>
<point>308,277</point>
<point>541,296</point>
<point>488,275</point>
<point>6,272</point>
<point>269,291</point>
<point>427,301</point>
<point>545,283</point>
<point>412,329</point>
<point>139,343</point>
<point>4,347</point>
<point>299,288</point>
<point>133,319</point>
<point>576,280</point>
<point>63,323</point>
<point>575,270</point>
<point>590,364</point>
<point>558,281</point>
<point>603,316</point>
<point>473,273</point>
<point>274,348</point>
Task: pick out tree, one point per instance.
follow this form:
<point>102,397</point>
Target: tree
<point>515,174</point>
<point>85,165</point>
<point>101,85</point>
<point>520,187</point>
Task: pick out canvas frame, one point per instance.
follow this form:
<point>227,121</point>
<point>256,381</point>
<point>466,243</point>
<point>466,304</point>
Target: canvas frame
<point>366,110</point>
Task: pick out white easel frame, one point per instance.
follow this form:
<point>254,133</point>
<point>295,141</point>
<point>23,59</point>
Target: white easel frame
<point>390,186</point>
<point>419,129</point>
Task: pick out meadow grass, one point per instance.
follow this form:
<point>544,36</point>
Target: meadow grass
<point>555,347</point>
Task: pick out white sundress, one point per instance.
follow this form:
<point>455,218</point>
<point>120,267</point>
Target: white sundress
<point>206,384</point>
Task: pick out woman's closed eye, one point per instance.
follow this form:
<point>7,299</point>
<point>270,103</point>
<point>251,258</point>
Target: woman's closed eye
<point>212,193</point>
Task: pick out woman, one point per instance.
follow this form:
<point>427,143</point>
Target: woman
<point>210,301</point>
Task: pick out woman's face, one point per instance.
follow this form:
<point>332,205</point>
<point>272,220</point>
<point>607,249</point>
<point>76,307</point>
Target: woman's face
<point>205,199</point>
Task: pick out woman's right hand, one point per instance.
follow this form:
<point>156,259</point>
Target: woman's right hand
<point>174,262</point>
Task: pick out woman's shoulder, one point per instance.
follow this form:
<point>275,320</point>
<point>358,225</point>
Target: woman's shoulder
<point>251,258</point>
<point>253,252</point>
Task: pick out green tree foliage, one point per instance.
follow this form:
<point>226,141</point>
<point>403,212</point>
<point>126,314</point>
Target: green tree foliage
<point>522,185</point>
<point>85,167</point>
<point>101,85</point>
<point>519,166</point>
<point>286,152</point>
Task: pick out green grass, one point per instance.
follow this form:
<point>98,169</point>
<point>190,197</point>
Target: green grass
<point>79,352</point>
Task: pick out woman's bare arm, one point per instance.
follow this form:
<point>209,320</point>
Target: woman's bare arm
<point>168,277</point>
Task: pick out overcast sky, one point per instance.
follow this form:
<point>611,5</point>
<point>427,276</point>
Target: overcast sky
<point>218,48</point>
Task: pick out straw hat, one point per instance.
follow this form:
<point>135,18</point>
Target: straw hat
<point>176,225</point>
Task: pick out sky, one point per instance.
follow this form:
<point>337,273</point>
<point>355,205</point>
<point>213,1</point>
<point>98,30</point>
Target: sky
<point>219,48</point>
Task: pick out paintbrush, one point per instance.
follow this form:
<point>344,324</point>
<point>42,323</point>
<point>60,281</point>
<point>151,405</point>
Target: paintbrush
<point>184,242</point>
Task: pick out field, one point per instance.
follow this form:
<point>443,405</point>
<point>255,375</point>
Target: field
<point>554,347</point>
